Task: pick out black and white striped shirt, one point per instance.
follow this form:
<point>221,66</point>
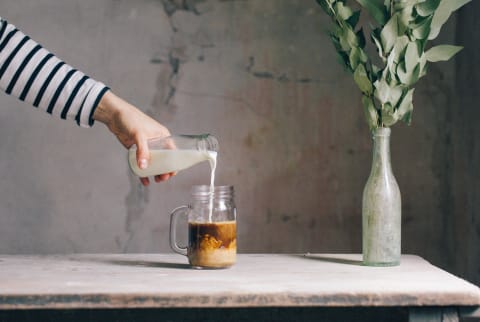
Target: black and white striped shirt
<point>33,74</point>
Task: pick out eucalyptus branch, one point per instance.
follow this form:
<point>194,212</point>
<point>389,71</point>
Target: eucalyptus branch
<point>404,27</point>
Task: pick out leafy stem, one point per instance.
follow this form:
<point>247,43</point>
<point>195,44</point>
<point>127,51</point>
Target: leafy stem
<point>400,37</point>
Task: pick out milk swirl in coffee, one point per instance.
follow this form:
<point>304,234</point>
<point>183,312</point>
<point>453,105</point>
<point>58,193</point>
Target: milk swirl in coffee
<point>212,244</point>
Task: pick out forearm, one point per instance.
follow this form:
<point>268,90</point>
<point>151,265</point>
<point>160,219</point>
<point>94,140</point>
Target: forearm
<point>106,109</point>
<point>33,74</point>
<point>113,111</point>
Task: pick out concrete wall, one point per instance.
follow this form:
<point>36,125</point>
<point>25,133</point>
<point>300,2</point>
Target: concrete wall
<point>466,151</point>
<point>262,76</point>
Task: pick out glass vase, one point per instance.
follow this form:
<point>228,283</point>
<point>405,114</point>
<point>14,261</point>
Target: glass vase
<point>381,207</point>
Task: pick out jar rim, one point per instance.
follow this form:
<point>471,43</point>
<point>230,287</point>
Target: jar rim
<point>202,191</point>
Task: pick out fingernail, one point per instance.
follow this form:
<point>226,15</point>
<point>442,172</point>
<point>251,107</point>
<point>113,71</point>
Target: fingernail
<point>143,163</point>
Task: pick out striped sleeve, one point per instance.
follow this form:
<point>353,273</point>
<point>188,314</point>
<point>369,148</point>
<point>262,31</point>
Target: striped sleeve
<point>33,74</point>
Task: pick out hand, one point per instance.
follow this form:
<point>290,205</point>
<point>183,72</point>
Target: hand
<point>131,126</point>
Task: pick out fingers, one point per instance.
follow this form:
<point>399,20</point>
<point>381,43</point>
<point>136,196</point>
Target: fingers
<point>143,159</point>
<point>158,178</point>
<point>143,155</point>
<point>161,177</point>
<point>145,181</point>
<point>164,177</point>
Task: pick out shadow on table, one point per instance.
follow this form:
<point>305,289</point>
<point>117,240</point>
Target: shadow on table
<point>147,263</point>
<point>138,262</point>
<point>331,259</point>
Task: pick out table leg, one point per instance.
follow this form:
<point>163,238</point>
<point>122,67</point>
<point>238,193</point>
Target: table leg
<point>433,314</point>
<point>470,314</point>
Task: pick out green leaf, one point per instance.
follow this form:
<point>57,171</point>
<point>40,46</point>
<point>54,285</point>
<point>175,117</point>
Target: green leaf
<point>399,49</point>
<point>386,3</point>
<point>401,72</point>
<point>412,56</point>
<point>343,11</point>
<point>405,18</point>
<point>360,38</point>
<point>389,33</point>
<point>376,9</point>
<point>353,20</point>
<point>415,75</point>
<point>423,65</point>
<point>361,78</point>
<point>389,117</point>
<point>334,39</point>
<point>376,40</point>
<point>457,4</point>
<point>388,108</point>
<point>399,5</point>
<point>405,108</point>
<point>357,56</point>
<point>325,6</point>
<point>354,57</point>
<point>363,56</point>
<point>443,12</point>
<point>442,52</point>
<point>376,71</point>
<point>386,93</point>
<point>347,38</point>
<point>391,65</point>
<point>427,7</point>
<point>407,118</point>
<point>370,112</point>
<point>351,38</point>
<point>343,59</point>
<point>421,29</point>
<point>342,40</point>
<point>408,77</point>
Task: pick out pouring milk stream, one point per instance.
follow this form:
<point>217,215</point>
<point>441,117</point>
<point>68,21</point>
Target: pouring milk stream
<point>178,152</point>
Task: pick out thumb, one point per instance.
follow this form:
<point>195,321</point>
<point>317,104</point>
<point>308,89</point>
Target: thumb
<point>143,155</point>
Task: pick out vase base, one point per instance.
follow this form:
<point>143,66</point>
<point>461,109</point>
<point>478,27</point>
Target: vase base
<point>381,264</point>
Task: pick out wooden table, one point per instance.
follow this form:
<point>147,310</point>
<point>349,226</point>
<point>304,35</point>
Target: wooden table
<point>260,287</point>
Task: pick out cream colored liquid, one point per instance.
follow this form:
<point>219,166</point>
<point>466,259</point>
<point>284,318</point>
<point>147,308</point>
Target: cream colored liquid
<point>213,165</point>
<point>166,161</point>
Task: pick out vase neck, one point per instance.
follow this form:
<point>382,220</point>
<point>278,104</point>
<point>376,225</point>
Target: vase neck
<point>381,150</point>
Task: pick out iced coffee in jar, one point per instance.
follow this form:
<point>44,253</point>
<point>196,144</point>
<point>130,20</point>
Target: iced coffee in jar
<point>212,228</point>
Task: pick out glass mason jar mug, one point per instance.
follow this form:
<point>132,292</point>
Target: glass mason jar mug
<point>212,233</point>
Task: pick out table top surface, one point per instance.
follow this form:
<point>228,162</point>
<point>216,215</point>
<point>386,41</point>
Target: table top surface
<point>257,280</point>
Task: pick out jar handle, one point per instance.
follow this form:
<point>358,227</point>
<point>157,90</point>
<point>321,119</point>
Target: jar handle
<point>182,210</point>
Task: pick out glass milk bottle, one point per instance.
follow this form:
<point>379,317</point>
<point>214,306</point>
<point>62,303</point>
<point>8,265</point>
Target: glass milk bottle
<point>175,153</point>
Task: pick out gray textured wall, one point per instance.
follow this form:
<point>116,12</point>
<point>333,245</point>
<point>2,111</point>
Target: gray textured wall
<point>262,76</point>
<point>466,149</point>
